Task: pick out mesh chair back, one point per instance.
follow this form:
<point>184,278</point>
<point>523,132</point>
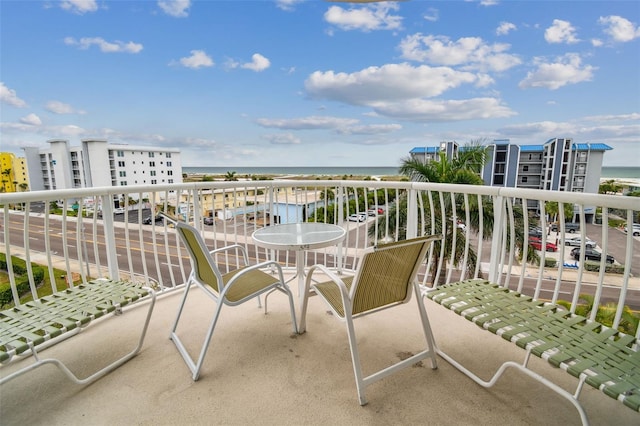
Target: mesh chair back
<point>386,274</point>
<point>204,269</point>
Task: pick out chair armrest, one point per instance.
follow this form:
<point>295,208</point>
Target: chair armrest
<point>232,247</point>
<point>332,276</point>
<point>252,268</point>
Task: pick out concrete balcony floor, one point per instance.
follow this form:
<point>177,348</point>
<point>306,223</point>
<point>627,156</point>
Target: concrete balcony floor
<point>258,372</point>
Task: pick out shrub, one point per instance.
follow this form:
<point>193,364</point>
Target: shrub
<point>550,262</point>
<point>595,267</point>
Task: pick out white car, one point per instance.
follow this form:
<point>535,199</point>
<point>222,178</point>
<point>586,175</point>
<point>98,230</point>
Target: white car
<point>577,241</point>
<point>357,217</point>
<point>636,229</point>
<point>118,210</point>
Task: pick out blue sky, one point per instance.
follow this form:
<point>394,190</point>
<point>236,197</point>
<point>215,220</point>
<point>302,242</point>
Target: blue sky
<point>319,83</point>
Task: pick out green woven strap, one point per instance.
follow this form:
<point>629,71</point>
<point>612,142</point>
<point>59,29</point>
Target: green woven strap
<point>38,321</point>
<point>607,357</point>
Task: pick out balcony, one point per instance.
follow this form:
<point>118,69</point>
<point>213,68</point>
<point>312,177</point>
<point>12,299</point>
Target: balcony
<point>257,372</point>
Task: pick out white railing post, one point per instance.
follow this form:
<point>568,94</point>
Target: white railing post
<point>498,229</point>
<point>412,213</point>
<point>110,236</point>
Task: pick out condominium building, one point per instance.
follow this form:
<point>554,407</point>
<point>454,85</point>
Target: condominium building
<point>559,164</point>
<point>13,173</point>
<point>98,163</point>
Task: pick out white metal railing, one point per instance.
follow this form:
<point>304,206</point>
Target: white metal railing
<point>485,229</point>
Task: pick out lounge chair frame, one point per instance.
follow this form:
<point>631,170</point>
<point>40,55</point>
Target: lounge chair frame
<point>29,328</point>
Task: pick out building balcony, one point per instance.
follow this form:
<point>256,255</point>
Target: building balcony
<point>256,370</point>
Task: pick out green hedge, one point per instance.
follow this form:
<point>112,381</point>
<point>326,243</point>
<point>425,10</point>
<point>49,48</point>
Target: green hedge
<point>550,262</point>
<point>22,278</point>
<point>595,267</point>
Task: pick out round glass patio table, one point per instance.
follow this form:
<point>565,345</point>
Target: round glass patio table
<point>299,237</point>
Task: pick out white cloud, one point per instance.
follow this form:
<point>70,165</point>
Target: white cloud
<point>432,15</point>
<point>31,120</point>
<point>175,8</point>
<point>368,18</point>
<point>258,63</point>
<point>619,131</point>
<point>390,82</point>
<point>567,69</point>
<point>561,32</point>
<point>9,97</point>
<point>432,111</point>
<point>470,52</point>
<point>105,46</point>
<point>79,6</point>
<point>505,28</point>
<point>287,5</point>
<point>307,123</point>
<point>198,59</point>
<point>619,28</point>
<point>61,108</point>
<point>595,42</point>
<point>372,129</point>
<point>400,91</point>
<point>282,139</point>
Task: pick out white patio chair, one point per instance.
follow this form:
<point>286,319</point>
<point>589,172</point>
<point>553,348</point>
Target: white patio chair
<point>232,288</point>
<point>383,279</point>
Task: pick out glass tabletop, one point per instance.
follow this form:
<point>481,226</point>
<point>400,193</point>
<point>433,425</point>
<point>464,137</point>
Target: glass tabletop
<point>299,236</point>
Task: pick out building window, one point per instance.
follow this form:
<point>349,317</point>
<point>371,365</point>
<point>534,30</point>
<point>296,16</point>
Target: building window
<point>153,181</point>
<point>123,173</point>
<point>168,163</point>
<point>525,168</point>
<point>123,183</point>
<point>151,154</point>
<point>153,172</point>
<point>168,155</point>
<point>152,163</point>
<point>524,179</point>
<point>169,172</point>
<point>120,163</point>
<point>170,180</point>
<point>120,153</point>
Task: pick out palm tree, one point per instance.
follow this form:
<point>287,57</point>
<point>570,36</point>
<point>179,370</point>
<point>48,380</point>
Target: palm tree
<point>230,176</point>
<point>464,168</point>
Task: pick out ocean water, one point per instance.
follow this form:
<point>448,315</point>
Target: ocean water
<point>607,172</point>
<point>621,172</point>
<point>320,171</point>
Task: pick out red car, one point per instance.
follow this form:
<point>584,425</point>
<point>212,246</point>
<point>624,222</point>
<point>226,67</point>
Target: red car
<point>536,243</point>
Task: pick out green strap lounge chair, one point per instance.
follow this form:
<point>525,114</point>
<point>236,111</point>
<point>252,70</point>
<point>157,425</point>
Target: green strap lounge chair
<point>232,288</point>
<point>384,279</point>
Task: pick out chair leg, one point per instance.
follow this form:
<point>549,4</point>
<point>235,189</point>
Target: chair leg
<point>207,340</point>
<point>291,307</point>
<point>426,327</point>
<point>355,359</point>
<point>187,286</point>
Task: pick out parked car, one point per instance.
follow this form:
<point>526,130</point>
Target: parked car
<point>357,217</point>
<point>568,227</point>
<point>375,211</point>
<point>536,243</point>
<point>208,220</point>
<point>147,220</point>
<point>590,254</point>
<point>635,229</point>
<point>535,232</point>
<point>118,210</point>
<point>577,241</point>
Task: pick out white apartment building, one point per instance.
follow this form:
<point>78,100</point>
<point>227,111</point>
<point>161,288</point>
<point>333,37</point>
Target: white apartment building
<point>98,163</point>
